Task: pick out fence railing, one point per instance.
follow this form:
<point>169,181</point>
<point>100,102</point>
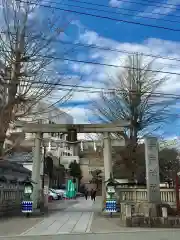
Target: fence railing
<point>140,195</point>
<point>10,199</point>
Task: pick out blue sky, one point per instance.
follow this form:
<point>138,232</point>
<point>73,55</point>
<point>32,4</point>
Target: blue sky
<point>118,35</point>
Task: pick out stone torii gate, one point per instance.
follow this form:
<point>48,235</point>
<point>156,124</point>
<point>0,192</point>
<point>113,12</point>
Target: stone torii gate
<point>39,129</point>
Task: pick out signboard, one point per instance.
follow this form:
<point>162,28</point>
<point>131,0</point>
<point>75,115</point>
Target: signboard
<point>46,190</point>
<point>111,206</point>
<point>27,206</point>
<point>152,170</point>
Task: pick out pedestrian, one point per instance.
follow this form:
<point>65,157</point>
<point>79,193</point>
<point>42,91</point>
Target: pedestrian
<point>86,194</point>
<point>92,192</point>
<point>94,195</point>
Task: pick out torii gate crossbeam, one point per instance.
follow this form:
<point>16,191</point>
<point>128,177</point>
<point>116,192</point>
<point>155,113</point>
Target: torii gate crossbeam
<point>80,128</point>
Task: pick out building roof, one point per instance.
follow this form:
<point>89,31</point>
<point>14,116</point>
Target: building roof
<point>52,112</point>
<point>20,157</point>
<point>6,164</point>
<point>11,171</point>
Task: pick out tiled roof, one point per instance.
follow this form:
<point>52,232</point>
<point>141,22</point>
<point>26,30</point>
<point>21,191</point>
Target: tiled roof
<point>20,157</point>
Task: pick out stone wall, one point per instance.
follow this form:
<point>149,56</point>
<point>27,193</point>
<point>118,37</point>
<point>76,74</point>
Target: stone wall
<point>158,222</point>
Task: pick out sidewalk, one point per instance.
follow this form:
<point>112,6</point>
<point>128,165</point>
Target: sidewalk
<point>16,225</point>
<point>75,219</point>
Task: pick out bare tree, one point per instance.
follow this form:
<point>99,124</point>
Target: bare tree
<point>28,42</point>
<point>136,100</point>
<point>96,177</point>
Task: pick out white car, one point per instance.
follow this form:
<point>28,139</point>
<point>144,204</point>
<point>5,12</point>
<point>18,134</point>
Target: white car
<point>60,192</point>
<point>53,195</point>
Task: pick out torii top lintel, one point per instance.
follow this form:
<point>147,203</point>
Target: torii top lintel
<point>80,128</point>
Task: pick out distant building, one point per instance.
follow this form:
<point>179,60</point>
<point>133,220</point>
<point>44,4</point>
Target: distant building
<point>46,114</point>
<point>54,142</point>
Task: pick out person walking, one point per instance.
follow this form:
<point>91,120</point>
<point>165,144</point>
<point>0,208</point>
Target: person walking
<point>86,194</point>
<point>94,195</point>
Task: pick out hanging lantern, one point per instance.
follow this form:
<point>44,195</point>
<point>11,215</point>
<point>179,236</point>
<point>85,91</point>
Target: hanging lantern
<point>82,148</point>
<point>72,135</point>
<point>49,147</point>
<point>95,146</point>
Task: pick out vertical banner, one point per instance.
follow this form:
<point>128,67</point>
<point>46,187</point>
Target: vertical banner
<point>152,170</point>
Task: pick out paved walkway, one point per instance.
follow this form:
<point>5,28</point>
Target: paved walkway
<point>75,219</point>
<point>16,225</point>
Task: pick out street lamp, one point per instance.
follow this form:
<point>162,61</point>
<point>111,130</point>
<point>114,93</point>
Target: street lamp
<point>110,187</point>
<point>27,203</point>
<point>111,205</point>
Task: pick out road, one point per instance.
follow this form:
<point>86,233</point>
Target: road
<point>137,235</point>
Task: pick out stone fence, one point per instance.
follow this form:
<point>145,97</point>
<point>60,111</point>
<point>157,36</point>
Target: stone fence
<point>137,195</point>
<point>10,199</point>
<point>135,211</point>
<point>133,195</point>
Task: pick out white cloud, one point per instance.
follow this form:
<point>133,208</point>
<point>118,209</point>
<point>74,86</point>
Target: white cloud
<point>80,115</point>
<point>98,76</point>
<point>115,3</point>
<point>167,7</point>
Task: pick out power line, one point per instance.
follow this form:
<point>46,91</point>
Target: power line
<point>162,5</point>
<point>93,46</point>
<point>67,87</point>
<point>103,17</point>
<point>121,8</point>
<point>110,65</point>
<point>147,4</point>
<point>106,11</point>
<point>117,50</point>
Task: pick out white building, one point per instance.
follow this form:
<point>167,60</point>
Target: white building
<point>54,142</point>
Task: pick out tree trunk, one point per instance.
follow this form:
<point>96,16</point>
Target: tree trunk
<point>5,119</point>
<point>1,147</point>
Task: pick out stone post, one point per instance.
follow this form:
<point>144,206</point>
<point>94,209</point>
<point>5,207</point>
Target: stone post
<point>152,175</point>
<point>107,152</point>
<point>36,169</point>
<point>164,212</point>
<point>152,170</point>
<point>128,210</point>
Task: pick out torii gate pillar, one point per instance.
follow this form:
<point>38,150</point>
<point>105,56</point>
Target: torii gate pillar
<point>107,156</point>
<point>36,168</point>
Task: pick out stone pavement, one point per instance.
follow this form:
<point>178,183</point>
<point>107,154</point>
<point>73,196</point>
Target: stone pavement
<point>74,219</point>
<point>17,225</point>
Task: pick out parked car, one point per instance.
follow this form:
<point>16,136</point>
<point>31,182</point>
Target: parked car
<point>59,193</point>
<point>53,195</point>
